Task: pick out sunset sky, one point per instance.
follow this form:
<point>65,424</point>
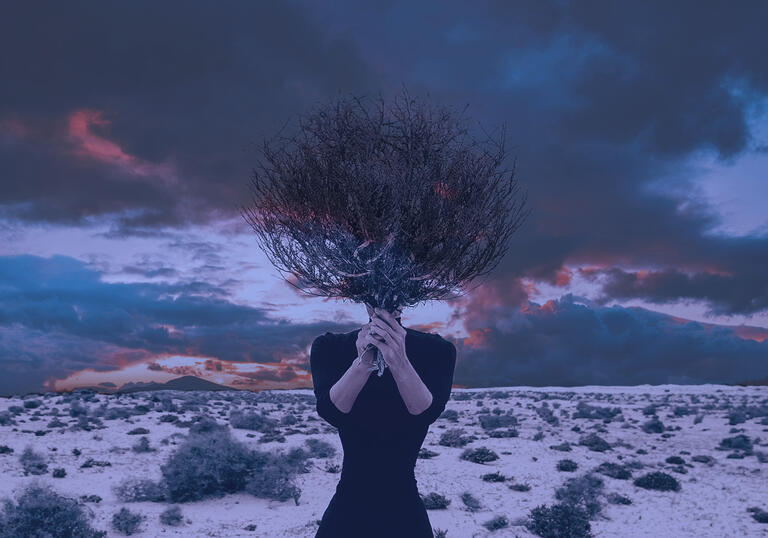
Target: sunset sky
<point>128,132</point>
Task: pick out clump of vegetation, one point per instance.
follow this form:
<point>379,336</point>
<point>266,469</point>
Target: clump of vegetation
<point>565,446</point>
<point>658,481</point>
<point>454,438</point>
<point>584,410</point>
<point>617,498</point>
<point>126,522</point>
<point>40,511</point>
<point>519,487</point>
<point>471,502</point>
<point>435,501</point>
<point>738,442</point>
<point>614,470</point>
<point>171,516</point>
<point>498,522</point>
<point>675,460</point>
<point>546,414</point>
<point>758,514</point>
<point>583,491</point>
<point>142,445</point>
<point>567,466</point>
<point>490,422</point>
<point>33,462</point>
<point>594,442</point>
<point>252,421</point>
<point>494,477</point>
<point>559,521</point>
<point>479,455</point>
<point>138,431</point>
<point>319,448</point>
<point>653,426</point>
<point>134,489</point>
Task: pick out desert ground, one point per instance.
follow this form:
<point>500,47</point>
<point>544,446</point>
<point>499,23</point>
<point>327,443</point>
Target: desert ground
<point>662,460</point>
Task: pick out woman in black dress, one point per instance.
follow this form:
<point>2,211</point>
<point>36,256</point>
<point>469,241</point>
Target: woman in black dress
<point>377,494</point>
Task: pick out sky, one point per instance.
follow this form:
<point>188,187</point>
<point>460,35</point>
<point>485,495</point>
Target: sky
<point>128,132</point>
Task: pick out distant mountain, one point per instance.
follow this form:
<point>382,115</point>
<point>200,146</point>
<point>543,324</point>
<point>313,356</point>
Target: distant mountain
<point>759,382</point>
<point>186,382</point>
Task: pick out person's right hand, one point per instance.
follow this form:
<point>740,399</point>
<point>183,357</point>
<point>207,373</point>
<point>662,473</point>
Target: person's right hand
<point>364,340</point>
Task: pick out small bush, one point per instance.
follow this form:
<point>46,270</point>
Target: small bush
<point>583,491</point>
<point>319,448</point>
<point>142,445</point>
<point>454,438</point>
<point>675,460</point>
<point>171,516</point>
<point>738,442</point>
<point>559,521</point>
<point>616,498</point>
<point>126,522</point>
<point>41,512</point>
<point>435,501</point>
<point>594,442</point>
<point>471,502</point>
<point>273,478</point>
<point>139,490</point>
<point>658,481</point>
<point>33,462</point>
<point>653,426</point>
<point>499,522</point>
<point>519,487</point>
<point>614,470</point>
<point>562,447</point>
<point>494,477</point>
<point>479,455</point>
<point>567,466</point>
<point>490,422</point>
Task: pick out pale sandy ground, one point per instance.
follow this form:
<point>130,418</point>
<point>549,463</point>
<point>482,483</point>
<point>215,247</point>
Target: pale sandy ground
<point>712,500</point>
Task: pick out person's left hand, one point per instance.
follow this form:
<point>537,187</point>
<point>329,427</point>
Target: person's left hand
<point>390,337</point>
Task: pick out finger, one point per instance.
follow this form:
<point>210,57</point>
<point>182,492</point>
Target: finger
<point>389,339</point>
<point>390,320</point>
<point>382,326</point>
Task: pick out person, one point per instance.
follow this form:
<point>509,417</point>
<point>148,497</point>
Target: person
<point>382,422</point>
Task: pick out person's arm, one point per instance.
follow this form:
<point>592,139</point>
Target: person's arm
<point>438,379</point>
<point>336,388</point>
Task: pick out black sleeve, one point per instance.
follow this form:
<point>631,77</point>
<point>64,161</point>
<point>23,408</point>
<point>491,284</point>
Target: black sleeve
<point>439,381</point>
<point>326,371</point>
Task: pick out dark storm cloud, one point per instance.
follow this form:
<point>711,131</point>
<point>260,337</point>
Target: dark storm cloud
<point>57,317</point>
<point>601,100</point>
<point>565,343</point>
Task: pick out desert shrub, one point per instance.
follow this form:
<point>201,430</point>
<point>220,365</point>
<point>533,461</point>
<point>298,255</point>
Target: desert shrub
<point>251,421</point>
<point>545,413</point>
<point>77,409</point>
<point>758,514</point>
<point>649,410</point>
<point>498,522</point>
<point>538,436</point>
<point>658,481</point>
<point>675,460</point>
<point>479,455</point>
<point>584,410</point>
<point>454,438</point>
<point>135,489</point>
<point>6,419</point>
<point>126,522</point>
<point>494,477</point>
<point>32,404</point>
<point>562,447</point>
<point>471,502</point>
<point>171,516</point>
<point>682,410</point>
<point>503,433</point>
<point>519,487</point>
<point>559,521</point>
<point>33,462</point>
<point>56,423</point>
<point>490,422</point>
<point>142,445</point>
<point>319,448</point>
<point>450,414</point>
<point>5,449</point>
<point>59,472</point>
<point>583,491</point>
<point>737,416</point>
<point>653,426</point>
<point>738,442</point>
<point>567,466</point>
<point>288,420</point>
<point>41,512</point>
<point>703,459</point>
<point>138,431</point>
<point>206,464</point>
<point>273,478</point>
<point>614,470</point>
<point>435,501</point>
<point>617,498</point>
<point>594,442</point>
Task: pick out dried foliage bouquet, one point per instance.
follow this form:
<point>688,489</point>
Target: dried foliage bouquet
<point>389,207</point>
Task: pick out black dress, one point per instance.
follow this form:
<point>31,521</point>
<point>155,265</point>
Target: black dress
<point>377,495</point>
